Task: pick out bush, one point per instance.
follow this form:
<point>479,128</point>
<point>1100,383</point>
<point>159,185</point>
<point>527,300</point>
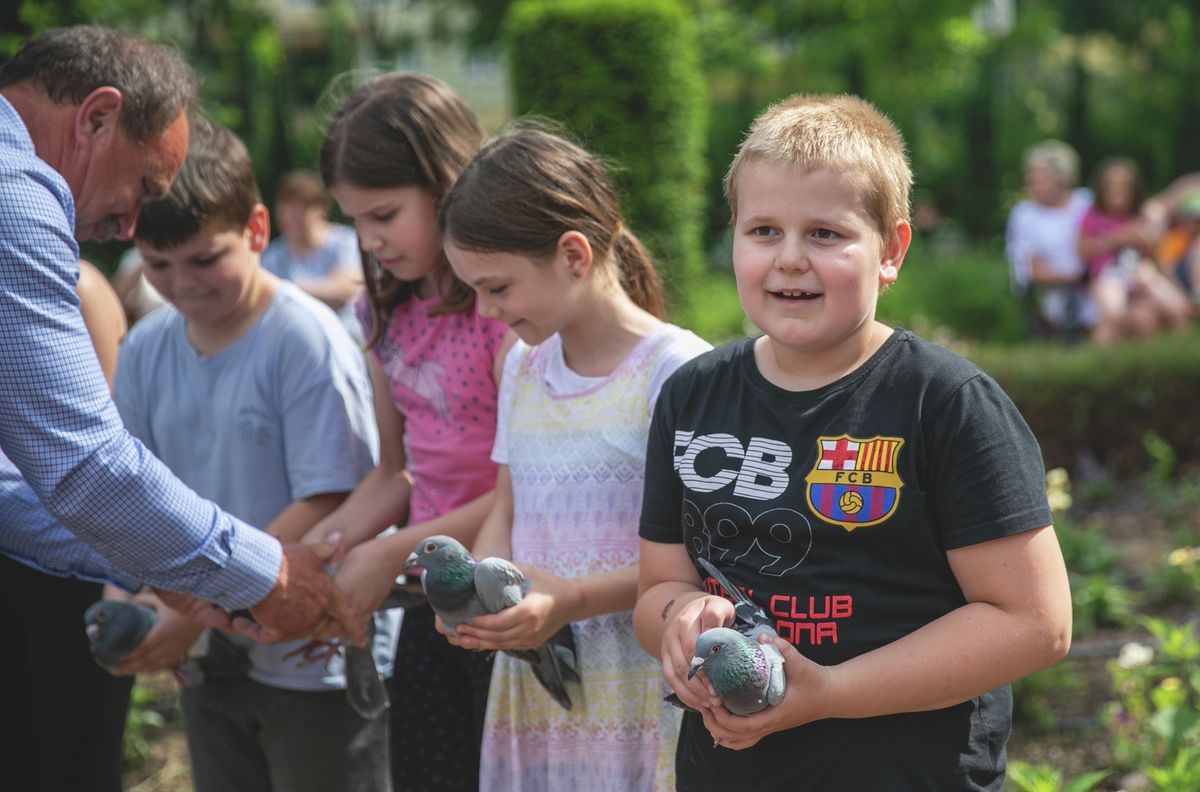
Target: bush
<point>625,76</point>
<point>1105,401</point>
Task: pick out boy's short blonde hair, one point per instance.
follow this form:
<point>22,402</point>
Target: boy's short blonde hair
<point>838,133</point>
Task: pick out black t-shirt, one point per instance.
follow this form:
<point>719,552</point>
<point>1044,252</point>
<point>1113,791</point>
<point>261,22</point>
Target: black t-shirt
<point>834,509</point>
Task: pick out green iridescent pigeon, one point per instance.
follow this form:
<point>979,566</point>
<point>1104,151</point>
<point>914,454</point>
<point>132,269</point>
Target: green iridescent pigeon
<point>459,588</point>
<point>746,675</point>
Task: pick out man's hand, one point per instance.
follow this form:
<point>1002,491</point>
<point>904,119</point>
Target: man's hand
<point>304,594</point>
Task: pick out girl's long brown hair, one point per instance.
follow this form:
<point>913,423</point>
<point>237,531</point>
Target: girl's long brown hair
<point>526,188</point>
<point>397,130</point>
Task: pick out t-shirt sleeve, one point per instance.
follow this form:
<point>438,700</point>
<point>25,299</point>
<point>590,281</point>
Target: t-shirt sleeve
<point>679,349</point>
<point>987,478</point>
<point>662,496</point>
<point>327,415</point>
<point>512,364</point>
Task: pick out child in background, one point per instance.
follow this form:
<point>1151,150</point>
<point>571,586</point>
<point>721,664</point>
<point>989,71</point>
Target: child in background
<point>534,226</point>
<point>320,257</point>
<point>880,498</point>
<point>256,397</point>
<point>1131,295</point>
<point>390,156</point>
<point>1178,252</point>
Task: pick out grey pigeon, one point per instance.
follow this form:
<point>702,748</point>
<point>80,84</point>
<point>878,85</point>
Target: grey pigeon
<point>747,676</point>
<point>114,629</point>
<point>459,588</point>
<point>365,688</point>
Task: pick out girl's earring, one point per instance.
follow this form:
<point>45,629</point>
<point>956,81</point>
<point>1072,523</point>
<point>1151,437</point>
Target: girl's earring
<point>576,274</point>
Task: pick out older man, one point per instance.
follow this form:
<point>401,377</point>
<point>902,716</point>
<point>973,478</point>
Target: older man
<point>93,122</point>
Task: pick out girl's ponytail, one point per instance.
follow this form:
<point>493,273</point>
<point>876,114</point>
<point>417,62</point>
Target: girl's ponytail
<point>638,277</point>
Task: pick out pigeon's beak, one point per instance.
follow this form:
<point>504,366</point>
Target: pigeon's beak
<point>697,664</point>
<point>93,632</point>
<point>412,562</point>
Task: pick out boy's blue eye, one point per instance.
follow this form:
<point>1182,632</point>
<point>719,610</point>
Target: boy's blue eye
<point>762,231</point>
<point>825,233</point>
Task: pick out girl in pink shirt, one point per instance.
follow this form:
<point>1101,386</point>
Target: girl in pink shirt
<point>393,151</point>
<point>1131,294</point>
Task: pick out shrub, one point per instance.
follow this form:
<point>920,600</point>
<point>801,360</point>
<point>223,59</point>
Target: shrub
<point>625,76</point>
<point>1105,401</point>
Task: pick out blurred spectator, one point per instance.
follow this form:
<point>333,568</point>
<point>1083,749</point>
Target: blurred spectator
<point>1179,251</point>
<point>138,297</point>
<point>1041,240</point>
<point>320,257</point>
<point>1132,296</point>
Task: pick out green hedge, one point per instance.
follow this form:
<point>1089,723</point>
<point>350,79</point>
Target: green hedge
<point>1106,401</point>
<point>624,76</point>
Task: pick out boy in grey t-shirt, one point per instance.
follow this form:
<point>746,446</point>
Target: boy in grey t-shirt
<point>253,393</point>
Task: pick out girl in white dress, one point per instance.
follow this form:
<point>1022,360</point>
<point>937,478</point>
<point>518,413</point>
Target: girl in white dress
<point>534,226</point>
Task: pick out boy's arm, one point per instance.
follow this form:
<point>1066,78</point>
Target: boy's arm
<point>1017,620</point>
<point>291,524</point>
<point>381,498</point>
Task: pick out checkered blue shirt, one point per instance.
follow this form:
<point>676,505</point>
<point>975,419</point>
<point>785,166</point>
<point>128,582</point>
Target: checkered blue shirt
<point>59,427</point>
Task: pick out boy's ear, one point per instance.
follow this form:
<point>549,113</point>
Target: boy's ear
<point>576,252</point>
<point>258,227</point>
<point>892,255</point>
<point>98,116</point>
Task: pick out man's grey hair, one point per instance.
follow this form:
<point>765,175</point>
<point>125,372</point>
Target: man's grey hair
<point>71,62</point>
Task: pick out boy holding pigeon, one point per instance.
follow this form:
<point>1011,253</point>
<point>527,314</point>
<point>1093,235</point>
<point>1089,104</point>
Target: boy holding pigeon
<point>879,499</point>
<point>254,394</point>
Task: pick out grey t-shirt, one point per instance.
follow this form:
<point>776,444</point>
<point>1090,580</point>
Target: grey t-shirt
<point>282,414</point>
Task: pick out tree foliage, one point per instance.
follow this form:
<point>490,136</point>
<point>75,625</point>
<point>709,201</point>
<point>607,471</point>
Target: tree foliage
<point>624,76</point>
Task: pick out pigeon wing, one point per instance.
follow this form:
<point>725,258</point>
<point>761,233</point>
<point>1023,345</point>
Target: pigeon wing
<point>365,690</point>
<point>747,615</point>
<point>498,584</point>
<point>554,663</point>
<point>776,679</point>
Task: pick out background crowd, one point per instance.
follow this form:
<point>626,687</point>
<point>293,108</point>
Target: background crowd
<point>1106,261</point>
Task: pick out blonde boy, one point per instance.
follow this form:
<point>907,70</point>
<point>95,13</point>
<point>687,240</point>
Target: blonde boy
<point>879,497</point>
<point>254,395</point>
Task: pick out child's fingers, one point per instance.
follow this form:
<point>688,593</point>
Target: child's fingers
<point>694,692</point>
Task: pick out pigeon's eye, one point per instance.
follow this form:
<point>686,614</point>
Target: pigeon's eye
<point>430,547</point>
<point>101,616</point>
<point>716,649</point>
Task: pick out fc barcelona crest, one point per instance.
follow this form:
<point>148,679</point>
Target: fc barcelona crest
<point>854,481</point>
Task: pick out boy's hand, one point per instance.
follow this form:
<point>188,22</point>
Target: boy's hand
<point>527,625</point>
<point>679,644</point>
<point>808,684</point>
<point>164,646</point>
